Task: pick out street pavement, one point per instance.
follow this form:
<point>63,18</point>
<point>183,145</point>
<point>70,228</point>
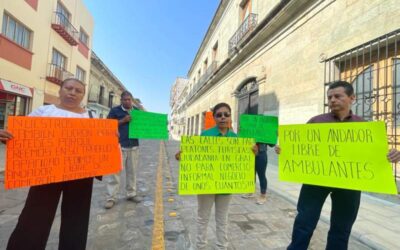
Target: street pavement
<point>164,219</point>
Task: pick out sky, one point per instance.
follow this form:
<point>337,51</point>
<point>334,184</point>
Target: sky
<point>148,43</point>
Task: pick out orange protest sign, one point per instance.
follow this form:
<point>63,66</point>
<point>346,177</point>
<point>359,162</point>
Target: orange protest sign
<point>209,120</point>
<point>46,150</point>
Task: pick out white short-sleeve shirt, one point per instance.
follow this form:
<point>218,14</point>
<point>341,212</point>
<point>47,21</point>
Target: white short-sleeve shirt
<point>53,111</point>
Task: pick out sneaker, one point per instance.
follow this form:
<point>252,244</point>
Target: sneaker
<point>109,204</point>
<point>261,200</point>
<point>248,196</point>
<point>135,199</point>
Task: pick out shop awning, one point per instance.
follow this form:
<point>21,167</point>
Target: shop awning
<point>15,88</point>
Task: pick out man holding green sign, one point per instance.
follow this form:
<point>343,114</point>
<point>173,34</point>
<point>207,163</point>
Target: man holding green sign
<point>130,153</point>
<point>345,202</point>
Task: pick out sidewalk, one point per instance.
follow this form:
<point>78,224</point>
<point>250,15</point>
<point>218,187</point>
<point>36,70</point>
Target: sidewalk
<point>378,221</point>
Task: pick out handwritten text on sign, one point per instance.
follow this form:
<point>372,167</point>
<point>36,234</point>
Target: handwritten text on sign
<point>216,165</point>
<point>147,125</point>
<point>344,155</point>
<point>262,128</point>
<point>47,150</point>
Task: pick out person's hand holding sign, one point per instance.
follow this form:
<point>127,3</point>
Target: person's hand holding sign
<point>393,155</point>
<point>126,119</point>
<point>255,149</point>
<point>178,156</point>
<point>5,136</point>
<point>277,149</point>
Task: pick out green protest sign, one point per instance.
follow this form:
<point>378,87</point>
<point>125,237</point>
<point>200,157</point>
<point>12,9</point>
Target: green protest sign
<point>345,155</point>
<point>216,165</point>
<point>261,128</point>
<point>147,125</point>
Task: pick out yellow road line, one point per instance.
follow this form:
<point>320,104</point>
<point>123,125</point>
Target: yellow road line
<point>158,227</point>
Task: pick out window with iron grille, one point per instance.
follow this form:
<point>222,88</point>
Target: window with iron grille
<point>16,31</point>
<point>362,85</point>
<point>373,68</point>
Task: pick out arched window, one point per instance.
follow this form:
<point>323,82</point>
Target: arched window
<point>363,92</point>
<point>248,97</point>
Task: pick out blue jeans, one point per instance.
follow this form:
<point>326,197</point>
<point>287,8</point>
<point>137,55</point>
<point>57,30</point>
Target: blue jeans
<point>261,167</point>
<point>345,205</point>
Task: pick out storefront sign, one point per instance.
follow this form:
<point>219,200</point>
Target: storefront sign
<point>15,88</point>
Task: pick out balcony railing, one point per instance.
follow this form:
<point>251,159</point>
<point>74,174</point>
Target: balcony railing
<point>57,74</point>
<point>62,26</point>
<point>244,30</point>
<point>203,79</point>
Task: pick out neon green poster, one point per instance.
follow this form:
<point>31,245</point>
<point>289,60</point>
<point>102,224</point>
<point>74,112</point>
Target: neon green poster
<point>216,165</point>
<point>345,155</point>
<point>147,125</point>
<point>260,127</point>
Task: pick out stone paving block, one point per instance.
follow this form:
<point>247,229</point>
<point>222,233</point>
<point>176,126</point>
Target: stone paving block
<point>235,231</point>
<point>237,209</point>
<point>246,243</point>
<point>237,217</point>
<point>174,225</point>
<point>253,227</point>
<point>275,241</point>
<point>259,216</point>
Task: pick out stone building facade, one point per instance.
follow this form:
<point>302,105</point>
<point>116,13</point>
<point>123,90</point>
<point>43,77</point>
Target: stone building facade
<point>277,57</point>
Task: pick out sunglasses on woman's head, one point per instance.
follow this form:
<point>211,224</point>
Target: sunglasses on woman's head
<point>220,114</point>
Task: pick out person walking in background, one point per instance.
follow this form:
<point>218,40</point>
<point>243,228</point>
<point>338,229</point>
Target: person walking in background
<point>130,153</point>
<point>35,221</point>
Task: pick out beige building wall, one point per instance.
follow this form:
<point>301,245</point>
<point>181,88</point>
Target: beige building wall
<point>43,40</point>
<point>286,54</point>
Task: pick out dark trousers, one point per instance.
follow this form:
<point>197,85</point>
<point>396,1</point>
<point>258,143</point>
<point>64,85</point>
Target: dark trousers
<point>34,223</point>
<point>261,167</point>
<point>345,204</point>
